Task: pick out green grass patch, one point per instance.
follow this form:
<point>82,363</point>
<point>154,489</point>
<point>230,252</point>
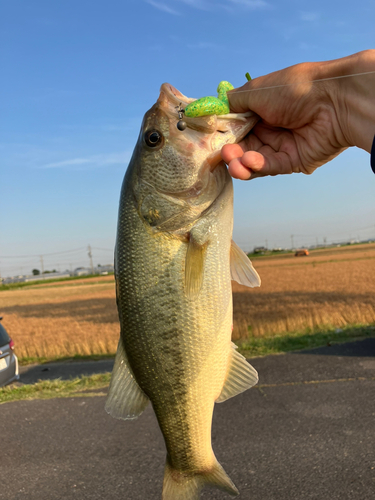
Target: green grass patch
<point>296,341</point>
<point>64,359</point>
<point>252,347</point>
<point>48,389</point>
<point>16,286</point>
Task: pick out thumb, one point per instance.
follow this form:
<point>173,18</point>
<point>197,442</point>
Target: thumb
<point>251,96</point>
<point>240,99</point>
<point>246,98</point>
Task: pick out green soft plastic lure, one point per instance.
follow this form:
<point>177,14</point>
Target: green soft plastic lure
<point>210,105</point>
<point>206,106</point>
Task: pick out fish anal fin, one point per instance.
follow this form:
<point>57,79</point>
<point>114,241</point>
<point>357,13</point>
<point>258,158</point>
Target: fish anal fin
<point>240,377</point>
<point>125,400</point>
<point>194,268</point>
<point>241,268</point>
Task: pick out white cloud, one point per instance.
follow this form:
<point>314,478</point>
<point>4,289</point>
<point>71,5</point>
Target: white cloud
<point>309,16</point>
<point>163,7</point>
<point>252,4</point>
<point>209,5</point>
<point>65,163</point>
<point>197,4</point>
<point>94,161</point>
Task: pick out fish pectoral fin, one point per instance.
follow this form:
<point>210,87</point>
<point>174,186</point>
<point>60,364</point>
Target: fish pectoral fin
<point>240,377</point>
<point>194,268</point>
<point>125,400</point>
<point>241,268</point>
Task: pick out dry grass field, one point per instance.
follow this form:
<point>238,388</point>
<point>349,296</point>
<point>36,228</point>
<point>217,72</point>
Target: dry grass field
<point>329,288</point>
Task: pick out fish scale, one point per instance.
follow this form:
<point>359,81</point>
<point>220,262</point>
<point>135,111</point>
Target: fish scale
<point>173,263</point>
<point>151,332</point>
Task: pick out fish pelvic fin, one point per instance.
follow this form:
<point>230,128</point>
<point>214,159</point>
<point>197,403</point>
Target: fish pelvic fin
<point>125,400</point>
<point>183,486</point>
<point>240,377</point>
<point>241,268</point>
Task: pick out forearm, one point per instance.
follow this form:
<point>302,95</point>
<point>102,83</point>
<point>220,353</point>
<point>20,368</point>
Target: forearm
<point>353,97</point>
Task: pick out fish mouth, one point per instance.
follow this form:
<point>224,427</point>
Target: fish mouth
<point>174,96</point>
<point>219,129</point>
<point>211,132</point>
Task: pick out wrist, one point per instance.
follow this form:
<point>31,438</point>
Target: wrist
<point>353,98</point>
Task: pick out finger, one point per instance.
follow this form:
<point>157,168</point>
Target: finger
<point>267,162</point>
<point>238,98</point>
<point>252,167</point>
<point>238,171</point>
<point>243,98</point>
<point>247,97</point>
<point>231,151</point>
<point>253,164</point>
<point>274,136</point>
<point>249,143</point>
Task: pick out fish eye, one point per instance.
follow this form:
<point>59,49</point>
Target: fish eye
<point>153,138</point>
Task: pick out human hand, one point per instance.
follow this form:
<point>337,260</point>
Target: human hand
<point>304,124</point>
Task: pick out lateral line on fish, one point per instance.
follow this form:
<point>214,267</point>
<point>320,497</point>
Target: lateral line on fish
<point>305,81</point>
<point>312,382</point>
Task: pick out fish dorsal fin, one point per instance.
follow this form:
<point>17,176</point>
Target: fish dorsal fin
<point>241,268</point>
<point>194,268</point>
<point>125,400</point>
<point>240,377</point>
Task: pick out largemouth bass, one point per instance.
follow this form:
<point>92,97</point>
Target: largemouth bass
<point>174,261</point>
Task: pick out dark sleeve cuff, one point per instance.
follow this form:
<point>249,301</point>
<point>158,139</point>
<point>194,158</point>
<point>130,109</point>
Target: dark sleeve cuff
<point>373,156</point>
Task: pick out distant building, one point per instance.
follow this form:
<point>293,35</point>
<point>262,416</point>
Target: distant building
<point>107,269</point>
<point>81,271</point>
<point>84,271</point>
<point>47,276</point>
<point>31,277</point>
<point>259,249</point>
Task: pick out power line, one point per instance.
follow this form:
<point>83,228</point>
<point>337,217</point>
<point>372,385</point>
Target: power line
<point>38,255</point>
<point>303,82</point>
<point>104,249</point>
<point>345,232</point>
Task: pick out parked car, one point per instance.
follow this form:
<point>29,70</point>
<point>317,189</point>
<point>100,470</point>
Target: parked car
<point>8,360</point>
<point>301,253</point>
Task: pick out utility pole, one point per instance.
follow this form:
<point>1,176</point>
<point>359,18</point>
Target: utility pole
<point>90,255</point>
<point>41,263</point>
<point>292,236</point>
<point>266,244</point>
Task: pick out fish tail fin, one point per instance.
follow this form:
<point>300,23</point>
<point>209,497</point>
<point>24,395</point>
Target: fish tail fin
<point>181,486</point>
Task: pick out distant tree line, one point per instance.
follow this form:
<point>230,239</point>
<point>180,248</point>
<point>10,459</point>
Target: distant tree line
<point>36,272</point>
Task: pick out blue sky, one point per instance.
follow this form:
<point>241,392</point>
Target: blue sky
<point>78,76</point>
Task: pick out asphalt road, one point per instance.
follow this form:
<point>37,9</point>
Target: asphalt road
<point>306,432</point>
<point>32,373</point>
